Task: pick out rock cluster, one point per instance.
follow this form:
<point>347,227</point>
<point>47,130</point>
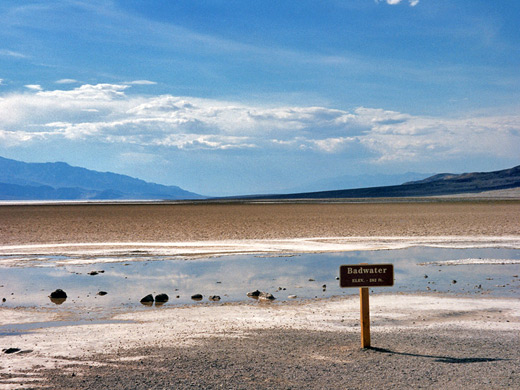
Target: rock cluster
<point>257,294</point>
<point>159,299</point>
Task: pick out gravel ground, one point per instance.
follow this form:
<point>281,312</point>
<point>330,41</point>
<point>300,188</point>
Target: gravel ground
<point>289,359</point>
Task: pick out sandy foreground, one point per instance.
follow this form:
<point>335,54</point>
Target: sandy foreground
<point>419,340</point>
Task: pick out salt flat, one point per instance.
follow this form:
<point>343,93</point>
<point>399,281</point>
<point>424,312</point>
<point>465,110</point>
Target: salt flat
<point>428,340</point>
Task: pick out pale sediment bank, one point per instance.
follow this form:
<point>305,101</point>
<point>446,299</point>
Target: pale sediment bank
<point>74,350</point>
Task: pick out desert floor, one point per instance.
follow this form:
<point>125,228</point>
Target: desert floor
<point>420,340</point>
<point>27,224</point>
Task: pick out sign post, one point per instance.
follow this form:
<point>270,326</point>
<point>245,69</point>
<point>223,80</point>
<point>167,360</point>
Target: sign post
<point>365,276</point>
<point>365,317</point>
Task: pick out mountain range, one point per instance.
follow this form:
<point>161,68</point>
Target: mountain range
<point>60,181</point>
<point>440,184</point>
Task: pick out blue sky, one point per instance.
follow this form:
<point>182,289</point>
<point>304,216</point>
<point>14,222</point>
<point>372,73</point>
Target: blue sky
<point>234,97</point>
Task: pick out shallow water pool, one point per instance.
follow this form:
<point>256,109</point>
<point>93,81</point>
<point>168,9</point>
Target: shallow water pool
<point>473,272</point>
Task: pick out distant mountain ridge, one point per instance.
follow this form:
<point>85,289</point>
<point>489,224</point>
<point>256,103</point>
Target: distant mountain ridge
<point>61,181</point>
<point>357,181</point>
<point>441,184</point>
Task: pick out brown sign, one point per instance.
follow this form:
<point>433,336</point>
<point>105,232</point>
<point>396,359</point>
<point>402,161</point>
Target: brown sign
<point>366,275</point>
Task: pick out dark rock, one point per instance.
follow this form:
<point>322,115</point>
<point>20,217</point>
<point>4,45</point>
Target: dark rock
<point>59,293</point>
<point>454,281</point>
<point>11,350</point>
<point>147,299</point>
<point>93,273</point>
<point>214,298</point>
<point>196,297</point>
<point>4,300</point>
<point>254,294</point>
<point>161,298</point>
<point>266,296</point>
<point>102,293</point>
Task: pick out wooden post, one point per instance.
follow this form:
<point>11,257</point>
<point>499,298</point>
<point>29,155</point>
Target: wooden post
<point>365,317</point>
<point>364,276</point>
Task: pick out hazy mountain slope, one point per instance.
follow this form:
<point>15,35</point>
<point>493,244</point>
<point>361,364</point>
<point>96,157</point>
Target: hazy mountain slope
<point>47,181</point>
<point>443,184</point>
<point>357,181</point>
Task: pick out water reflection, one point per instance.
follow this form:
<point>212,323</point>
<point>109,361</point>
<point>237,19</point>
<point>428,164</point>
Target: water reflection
<point>122,285</point>
<point>57,301</point>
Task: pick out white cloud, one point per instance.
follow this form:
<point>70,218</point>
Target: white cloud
<point>10,53</point>
<point>15,138</point>
<point>106,113</point>
<point>412,3</point>
<point>87,92</point>
<point>66,81</point>
<point>333,145</point>
<point>34,87</point>
<point>141,82</point>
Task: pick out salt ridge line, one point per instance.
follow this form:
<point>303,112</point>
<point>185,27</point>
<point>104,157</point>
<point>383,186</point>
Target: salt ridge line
<point>316,244</point>
<point>472,262</point>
